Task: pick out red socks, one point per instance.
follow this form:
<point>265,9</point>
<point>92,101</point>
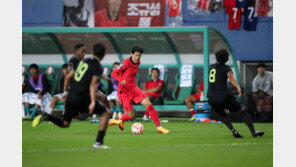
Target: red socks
<point>192,111</point>
<point>153,114</point>
<point>150,110</point>
<point>146,112</point>
<point>125,117</point>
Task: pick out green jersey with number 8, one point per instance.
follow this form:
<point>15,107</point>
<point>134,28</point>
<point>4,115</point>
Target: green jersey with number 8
<point>218,79</point>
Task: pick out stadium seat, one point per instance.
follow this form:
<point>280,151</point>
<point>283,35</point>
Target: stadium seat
<point>160,100</point>
<point>53,79</point>
<point>105,90</point>
<point>138,79</point>
<point>180,93</point>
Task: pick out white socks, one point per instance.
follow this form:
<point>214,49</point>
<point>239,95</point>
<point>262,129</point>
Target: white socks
<point>114,115</point>
<point>120,114</point>
<point>94,116</point>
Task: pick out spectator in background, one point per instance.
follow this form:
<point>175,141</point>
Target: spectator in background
<point>110,17</point>
<point>263,80</point>
<point>37,93</point>
<point>262,87</point>
<point>58,96</point>
<point>190,100</point>
<point>153,88</point>
<point>113,98</point>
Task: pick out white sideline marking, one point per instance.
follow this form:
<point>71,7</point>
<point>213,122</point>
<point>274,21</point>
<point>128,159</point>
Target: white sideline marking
<point>137,147</point>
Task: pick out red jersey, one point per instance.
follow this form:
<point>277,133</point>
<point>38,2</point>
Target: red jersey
<point>151,84</point>
<point>234,18</point>
<point>103,19</point>
<point>203,4</point>
<point>127,70</point>
<point>229,3</point>
<point>174,7</point>
<point>201,86</point>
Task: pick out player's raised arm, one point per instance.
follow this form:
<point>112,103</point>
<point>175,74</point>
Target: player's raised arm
<point>234,82</point>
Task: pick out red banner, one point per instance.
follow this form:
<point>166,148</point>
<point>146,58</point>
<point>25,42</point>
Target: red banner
<point>134,13</point>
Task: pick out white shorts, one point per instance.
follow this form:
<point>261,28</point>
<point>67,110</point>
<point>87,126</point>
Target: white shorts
<point>24,97</point>
<point>113,96</point>
<point>32,98</point>
<point>60,95</point>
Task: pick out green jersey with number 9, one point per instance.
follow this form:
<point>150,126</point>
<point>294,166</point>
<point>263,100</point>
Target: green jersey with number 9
<point>218,79</point>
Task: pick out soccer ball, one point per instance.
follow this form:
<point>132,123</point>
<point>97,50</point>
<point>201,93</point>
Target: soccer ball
<point>137,128</point>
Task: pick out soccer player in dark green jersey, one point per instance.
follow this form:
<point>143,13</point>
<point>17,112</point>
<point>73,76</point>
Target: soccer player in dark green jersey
<point>82,96</point>
<point>220,98</point>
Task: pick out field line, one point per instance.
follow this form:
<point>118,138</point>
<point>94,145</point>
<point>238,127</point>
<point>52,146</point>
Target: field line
<point>139,147</point>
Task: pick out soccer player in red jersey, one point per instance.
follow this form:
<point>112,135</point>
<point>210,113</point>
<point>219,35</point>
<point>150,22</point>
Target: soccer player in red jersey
<point>128,90</point>
<point>153,88</point>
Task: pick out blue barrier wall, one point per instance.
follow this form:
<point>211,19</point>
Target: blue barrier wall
<point>248,46</point>
<point>42,13</point>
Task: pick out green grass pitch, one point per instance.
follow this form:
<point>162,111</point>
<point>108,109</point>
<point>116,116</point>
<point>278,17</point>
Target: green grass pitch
<point>188,144</point>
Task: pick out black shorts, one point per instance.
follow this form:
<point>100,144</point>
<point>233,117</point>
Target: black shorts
<point>73,108</point>
<point>220,103</point>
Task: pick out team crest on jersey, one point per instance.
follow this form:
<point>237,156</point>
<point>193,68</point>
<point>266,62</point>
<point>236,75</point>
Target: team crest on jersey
<point>120,66</point>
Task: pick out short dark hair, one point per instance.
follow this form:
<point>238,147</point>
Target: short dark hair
<point>116,63</point>
<point>35,66</point>
<point>222,56</point>
<point>261,65</point>
<point>65,66</point>
<point>156,69</point>
<point>99,50</point>
<point>137,48</point>
<point>78,46</point>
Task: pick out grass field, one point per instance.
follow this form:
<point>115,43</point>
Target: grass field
<point>188,144</point>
